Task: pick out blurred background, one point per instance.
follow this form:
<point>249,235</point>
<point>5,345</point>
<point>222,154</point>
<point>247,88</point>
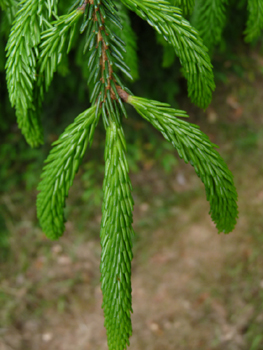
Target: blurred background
<point>192,288</point>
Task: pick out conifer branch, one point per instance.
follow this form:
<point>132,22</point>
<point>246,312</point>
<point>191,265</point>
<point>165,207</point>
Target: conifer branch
<point>116,241</point>
<point>255,20</point>
<point>128,36</point>
<point>22,53</point>
<point>186,5</point>
<point>209,19</point>
<point>21,65</point>
<point>56,41</point>
<point>116,231</point>
<point>34,50</point>
<point>10,8</point>
<point>195,147</point>
<point>104,58</point>
<point>59,172</point>
<point>188,46</point>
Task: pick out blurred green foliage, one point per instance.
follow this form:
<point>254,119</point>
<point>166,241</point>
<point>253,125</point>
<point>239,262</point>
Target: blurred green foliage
<point>4,242</point>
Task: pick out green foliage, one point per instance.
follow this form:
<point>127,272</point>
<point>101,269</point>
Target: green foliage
<point>56,42</point>
<point>21,68</point>
<point>195,147</point>
<point>59,172</point>
<point>39,41</point>
<point>168,21</point>
<point>255,20</point>
<point>186,5</point>
<point>104,58</point>
<point>116,241</point>
<point>168,55</point>
<point>128,36</point>
<point>209,19</point>
<point>10,8</point>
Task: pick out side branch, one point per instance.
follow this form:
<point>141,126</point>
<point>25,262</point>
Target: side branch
<point>116,241</point>
<point>82,8</point>
<point>123,94</point>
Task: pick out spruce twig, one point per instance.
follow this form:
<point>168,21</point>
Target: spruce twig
<point>116,241</point>
<point>33,58</point>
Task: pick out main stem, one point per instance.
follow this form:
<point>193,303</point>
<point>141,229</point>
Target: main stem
<point>116,226</point>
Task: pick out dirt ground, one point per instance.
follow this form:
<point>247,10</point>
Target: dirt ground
<point>192,288</point>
